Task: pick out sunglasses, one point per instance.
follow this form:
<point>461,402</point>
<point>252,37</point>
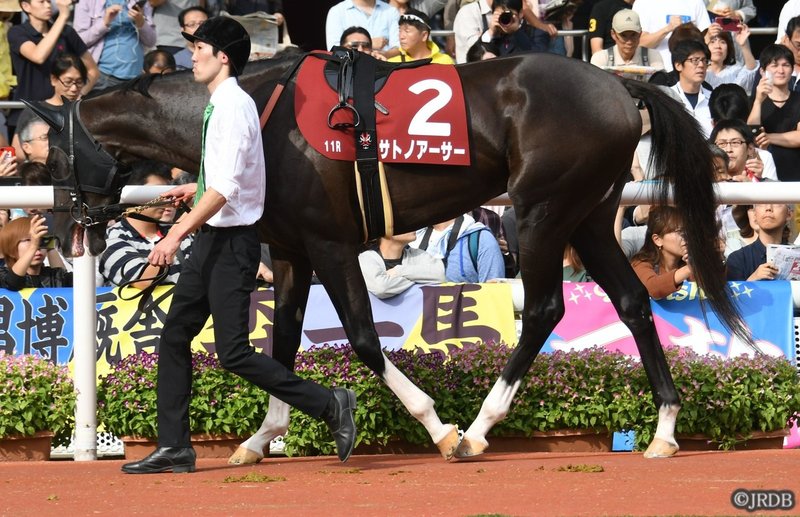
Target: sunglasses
<point>356,45</point>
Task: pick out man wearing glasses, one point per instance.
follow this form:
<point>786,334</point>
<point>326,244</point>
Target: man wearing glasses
<point>189,19</point>
<point>690,60</point>
<point>34,140</point>
<point>791,40</point>
<point>358,38</point>
<point>744,162</point>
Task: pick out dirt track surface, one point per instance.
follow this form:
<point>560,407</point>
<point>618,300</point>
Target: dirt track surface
<point>693,483</point>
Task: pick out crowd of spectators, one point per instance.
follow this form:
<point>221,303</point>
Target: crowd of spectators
<point>698,50</point>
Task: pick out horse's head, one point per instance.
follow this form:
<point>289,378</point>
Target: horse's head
<point>87,180</point>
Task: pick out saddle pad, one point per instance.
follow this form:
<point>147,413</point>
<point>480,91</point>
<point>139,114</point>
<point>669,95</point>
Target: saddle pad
<point>427,121</point>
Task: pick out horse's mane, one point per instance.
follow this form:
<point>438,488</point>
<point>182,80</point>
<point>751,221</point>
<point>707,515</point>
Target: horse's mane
<point>139,84</point>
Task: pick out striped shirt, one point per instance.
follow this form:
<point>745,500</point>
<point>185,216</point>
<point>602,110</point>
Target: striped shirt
<point>125,257</point>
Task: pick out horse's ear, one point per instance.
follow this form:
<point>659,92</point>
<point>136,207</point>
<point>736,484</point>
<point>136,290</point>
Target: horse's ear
<point>54,119</point>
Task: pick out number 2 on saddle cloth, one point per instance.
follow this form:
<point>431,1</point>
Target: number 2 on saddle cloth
<point>424,121</point>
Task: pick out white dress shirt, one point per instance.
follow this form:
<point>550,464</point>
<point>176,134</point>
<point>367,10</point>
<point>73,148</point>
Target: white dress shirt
<point>233,162</point>
<point>699,111</point>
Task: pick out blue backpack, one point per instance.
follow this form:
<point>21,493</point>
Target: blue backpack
<point>473,241</point>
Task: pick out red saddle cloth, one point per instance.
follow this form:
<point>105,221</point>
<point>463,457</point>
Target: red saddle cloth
<point>427,121</point>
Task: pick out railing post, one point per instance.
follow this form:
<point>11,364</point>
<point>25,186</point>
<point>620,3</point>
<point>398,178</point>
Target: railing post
<point>84,348</point>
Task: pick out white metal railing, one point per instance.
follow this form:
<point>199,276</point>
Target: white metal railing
<point>584,35</point>
<point>728,193</point>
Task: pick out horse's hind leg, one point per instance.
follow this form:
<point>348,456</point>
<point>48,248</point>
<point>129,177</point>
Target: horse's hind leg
<point>343,280</point>
<point>598,249</point>
<point>275,424</point>
<point>292,281</point>
<point>541,252</point>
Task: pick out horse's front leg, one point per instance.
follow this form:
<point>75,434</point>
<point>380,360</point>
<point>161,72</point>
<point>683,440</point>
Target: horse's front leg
<point>336,265</point>
<point>292,279</point>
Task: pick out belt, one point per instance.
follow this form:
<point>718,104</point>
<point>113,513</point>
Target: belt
<point>207,228</point>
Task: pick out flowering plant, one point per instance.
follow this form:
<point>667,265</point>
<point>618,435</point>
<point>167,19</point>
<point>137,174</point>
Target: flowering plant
<point>38,395</point>
<point>725,400</point>
<point>222,403</point>
<point>379,415</point>
<point>563,390</point>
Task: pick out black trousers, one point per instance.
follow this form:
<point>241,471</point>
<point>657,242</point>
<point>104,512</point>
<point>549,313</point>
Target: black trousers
<point>217,279</point>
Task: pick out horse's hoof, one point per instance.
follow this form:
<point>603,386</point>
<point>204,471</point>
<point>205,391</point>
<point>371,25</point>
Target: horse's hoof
<point>244,456</point>
<point>470,447</point>
<point>660,448</point>
<point>447,445</point>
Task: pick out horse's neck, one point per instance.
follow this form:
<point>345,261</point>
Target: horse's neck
<point>161,127</point>
<point>166,126</point>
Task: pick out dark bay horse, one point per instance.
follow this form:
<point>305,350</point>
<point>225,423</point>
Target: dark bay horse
<point>557,134</point>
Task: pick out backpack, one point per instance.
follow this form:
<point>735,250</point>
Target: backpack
<point>645,57</point>
<point>473,242</point>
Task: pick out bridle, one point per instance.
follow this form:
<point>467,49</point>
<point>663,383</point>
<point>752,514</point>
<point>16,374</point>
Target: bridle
<point>96,171</point>
<point>90,168</point>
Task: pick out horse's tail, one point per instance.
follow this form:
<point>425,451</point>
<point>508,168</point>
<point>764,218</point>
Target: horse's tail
<point>682,159</point>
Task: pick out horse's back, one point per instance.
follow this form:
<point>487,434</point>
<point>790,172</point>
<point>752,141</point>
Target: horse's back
<point>544,87</point>
<point>552,122</point>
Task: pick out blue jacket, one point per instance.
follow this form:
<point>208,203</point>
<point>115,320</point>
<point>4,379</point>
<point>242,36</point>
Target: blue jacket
<point>459,267</point>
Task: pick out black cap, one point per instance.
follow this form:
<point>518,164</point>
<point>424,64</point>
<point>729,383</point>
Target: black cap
<point>225,34</point>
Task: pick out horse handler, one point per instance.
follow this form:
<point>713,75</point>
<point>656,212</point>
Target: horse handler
<point>221,271</point>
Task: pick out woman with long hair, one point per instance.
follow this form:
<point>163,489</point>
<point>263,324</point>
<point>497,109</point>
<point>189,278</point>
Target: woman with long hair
<point>24,245</point>
<point>663,262</point>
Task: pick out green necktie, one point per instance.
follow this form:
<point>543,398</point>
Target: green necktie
<point>201,181</point>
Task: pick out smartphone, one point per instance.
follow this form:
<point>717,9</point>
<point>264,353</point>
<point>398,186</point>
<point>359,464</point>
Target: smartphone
<point>768,75</point>
<point>755,129</point>
<point>48,242</point>
<point>7,153</point>
<point>685,18</point>
<point>140,4</point>
<point>728,24</point>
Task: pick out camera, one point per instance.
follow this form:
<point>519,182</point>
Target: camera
<point>505,18</point>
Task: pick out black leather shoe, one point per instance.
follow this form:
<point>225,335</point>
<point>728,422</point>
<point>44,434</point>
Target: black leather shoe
<point>164,459</point>
<point>341,422</point>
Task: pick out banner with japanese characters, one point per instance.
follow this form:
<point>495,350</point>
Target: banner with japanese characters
<point>428,317</point>
<point>431,317</point>
<point>591,320</point>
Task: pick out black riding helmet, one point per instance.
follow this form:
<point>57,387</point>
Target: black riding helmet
<point>227,35</point>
